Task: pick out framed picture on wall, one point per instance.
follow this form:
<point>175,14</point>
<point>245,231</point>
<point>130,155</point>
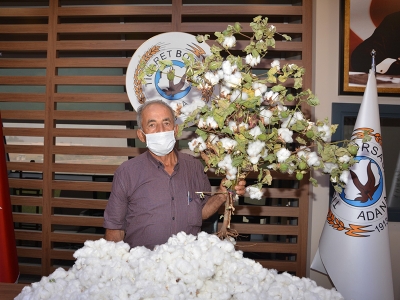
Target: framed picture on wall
<point>368,25</point>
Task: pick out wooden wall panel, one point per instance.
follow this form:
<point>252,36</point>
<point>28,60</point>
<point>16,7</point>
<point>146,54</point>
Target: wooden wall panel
<point>62,90</point>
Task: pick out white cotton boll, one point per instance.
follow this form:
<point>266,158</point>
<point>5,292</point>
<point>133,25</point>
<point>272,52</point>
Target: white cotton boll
<point>227,67</point>
<point>213,139</point>
<point>233,80</point>
<point>228,143</point>
<point>286,134</point>
<point>232,126</point>
<point>245,96</point>
<point>283,154</point>
<point>231,173</point>
<point>252,61</point>
<point>345,176</point>
<point>254,192</point>
<point>235,95</point>
<point>203,86</point>
<point>212,78</point>
<point>298,116</point>
<point>220,73</point>
<point>255,148</point>
<point>255,131</point>
<point>276,63</point>
<point>344,159</point>
<point>266,115</point>
<point>271,96</point>
<point>254,159</point>
<point>202,123</point>
<point>302,153</point>
<point>328,167</point>
<point>326,132</point>
<point>225,91</point>
<point>229,42</point>
<point>288,121</point>
<point>313,159</point>
<point>197,143</point>
<point>259,88</point>
<point>211,122</point>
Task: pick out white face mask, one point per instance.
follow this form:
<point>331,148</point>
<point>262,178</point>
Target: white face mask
<point>161,143</point>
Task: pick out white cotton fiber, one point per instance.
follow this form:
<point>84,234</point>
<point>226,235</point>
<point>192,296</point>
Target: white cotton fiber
<point>186,267</point>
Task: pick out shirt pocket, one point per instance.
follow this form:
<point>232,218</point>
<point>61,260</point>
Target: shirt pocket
<point>195,211</point>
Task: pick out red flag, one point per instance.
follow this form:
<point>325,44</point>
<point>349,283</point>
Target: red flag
<point>9,270</point>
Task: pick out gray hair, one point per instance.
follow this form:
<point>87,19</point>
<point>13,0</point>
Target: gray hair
<point>148,103</point>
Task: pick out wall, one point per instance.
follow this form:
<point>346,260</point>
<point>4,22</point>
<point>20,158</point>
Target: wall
<point>326,16</point>
<point>69,122</point>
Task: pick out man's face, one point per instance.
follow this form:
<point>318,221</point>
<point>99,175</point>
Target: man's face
<point>157,118</point>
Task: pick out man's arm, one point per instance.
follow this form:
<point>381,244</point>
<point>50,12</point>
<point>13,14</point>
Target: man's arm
<point>215,201</point>
<point>114,235</point>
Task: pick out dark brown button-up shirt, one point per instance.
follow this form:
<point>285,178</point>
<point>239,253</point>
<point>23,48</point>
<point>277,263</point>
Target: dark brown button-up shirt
<point>150,205</point>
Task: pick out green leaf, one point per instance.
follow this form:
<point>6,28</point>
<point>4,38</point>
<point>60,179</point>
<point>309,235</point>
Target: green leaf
<point>241,143</point>
<point>247,77</point>
<point>298,83</point>
<point>162,64</point>
<point>150,69</point>
<point>266,177</point>
<point>290,97</point>
<point>202,38</point>
<point>262,137</point>
<point>313,181</point>
<point>301,141</point>
<point>282,78</point>
<point>237,27</point>
<point>237,161</point>
<point>337,188</point>
<point>201,133</point>
<point>313,101</point>
<point>278,88</point>
<point>171,75</point>
<point>298,126</point>
<point>227,130</point>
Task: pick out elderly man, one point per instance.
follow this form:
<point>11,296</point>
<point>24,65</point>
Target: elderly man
<point>154,195</point>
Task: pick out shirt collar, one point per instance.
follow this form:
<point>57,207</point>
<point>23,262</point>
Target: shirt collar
<point>158,163</point>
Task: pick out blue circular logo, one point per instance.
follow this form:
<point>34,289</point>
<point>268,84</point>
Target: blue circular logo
<point>368,193</point>
<point>174,90</point>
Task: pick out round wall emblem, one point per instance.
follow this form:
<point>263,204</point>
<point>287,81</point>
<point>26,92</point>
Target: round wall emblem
<point>172,46</point>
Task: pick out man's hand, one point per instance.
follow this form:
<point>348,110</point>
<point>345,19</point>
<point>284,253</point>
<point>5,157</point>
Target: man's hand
<point>114,235</point>
<point>240,187</point>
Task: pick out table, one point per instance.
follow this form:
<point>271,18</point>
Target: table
<point>9,291</point>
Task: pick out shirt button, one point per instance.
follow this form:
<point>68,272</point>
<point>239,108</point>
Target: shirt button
<point>172,198</point>
<point>173,218</point>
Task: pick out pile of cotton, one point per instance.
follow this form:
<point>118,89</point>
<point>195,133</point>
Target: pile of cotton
<point>186,267</point>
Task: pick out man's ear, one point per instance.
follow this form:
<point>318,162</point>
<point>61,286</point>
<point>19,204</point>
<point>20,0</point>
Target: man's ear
<point>141,135</point>
<point>176,130</point>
